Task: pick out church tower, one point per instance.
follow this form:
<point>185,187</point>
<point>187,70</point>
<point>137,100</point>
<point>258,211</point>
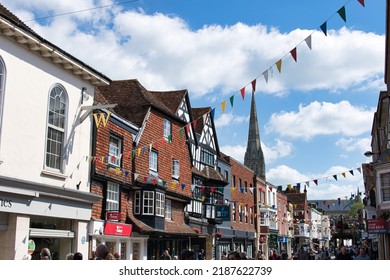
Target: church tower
<point>254,157</point>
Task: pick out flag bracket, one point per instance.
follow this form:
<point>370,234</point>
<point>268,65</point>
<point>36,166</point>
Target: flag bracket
<point>89,109</point>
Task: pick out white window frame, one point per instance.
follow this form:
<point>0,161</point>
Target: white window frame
<point>113,196</point>
<point>167,129</point>
<point>148,203</point>
<point>160,204</point>
<point>153,161</point>
<point>137,202</point>
<point>384,186</point>
<point>175,169</point>
<point>114,151</point>
<point>55,146</point>
<point>168,209</point>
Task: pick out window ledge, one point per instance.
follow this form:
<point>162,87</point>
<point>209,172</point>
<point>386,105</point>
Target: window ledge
<point>54,174</point>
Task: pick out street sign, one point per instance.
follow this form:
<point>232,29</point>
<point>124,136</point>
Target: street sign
<point>31,246</point>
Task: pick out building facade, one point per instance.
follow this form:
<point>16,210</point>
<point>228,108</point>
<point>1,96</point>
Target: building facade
<point>48,203</point>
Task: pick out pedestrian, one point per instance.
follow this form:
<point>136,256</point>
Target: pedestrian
<point>101,252</point>
<point>234,255</point>
<point>344,254</point>
<point>224,255</point>
<point>243,256</point>
<point>362,255</point>
<point>188,255</point>
<point>284,255</point>
<point>45,254</point>
<point>165,256</point>
<point>110,256</point>
<point>201,254</point>
<point>69,256</point>
<point>302,254</point>
<point>78,256</point>
<point>117,256</point>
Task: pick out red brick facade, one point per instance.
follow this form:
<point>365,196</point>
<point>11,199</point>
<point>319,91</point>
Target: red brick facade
<point>243,196</point>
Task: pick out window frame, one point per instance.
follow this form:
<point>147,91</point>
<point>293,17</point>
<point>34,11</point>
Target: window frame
<point>160,204</point>
<point>175,167</point>
<point>137,203</point>
<point>51,128</point>
<point>167,129</point>
<point>146,201</point>
<point>117,156</point>
<point>153,169</point>
<point>168,209</point>
<point>112,190</point>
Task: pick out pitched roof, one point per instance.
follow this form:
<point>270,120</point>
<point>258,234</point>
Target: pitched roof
<point>197,113</point>
<point>134,100</point>
<point>171,99</point>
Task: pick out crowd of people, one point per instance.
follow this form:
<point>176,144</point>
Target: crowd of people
<point>344,253</point>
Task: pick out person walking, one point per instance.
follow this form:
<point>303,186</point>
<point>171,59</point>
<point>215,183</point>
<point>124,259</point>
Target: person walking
<point>165,256</point>
<point>45,254</point>
<point>344,254</point>
<point>302,254</point>
<point>101,252</point>
<point>362,255</point>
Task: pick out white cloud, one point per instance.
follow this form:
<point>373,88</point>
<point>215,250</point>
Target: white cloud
<point>327,188</point>
<point>132,44</point>
<point>229,119</point>
<point>281,149</point>
<point>355,144</point>
<point>322,119</point>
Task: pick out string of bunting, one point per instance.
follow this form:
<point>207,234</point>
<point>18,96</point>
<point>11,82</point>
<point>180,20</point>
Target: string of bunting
<point>278,64</point>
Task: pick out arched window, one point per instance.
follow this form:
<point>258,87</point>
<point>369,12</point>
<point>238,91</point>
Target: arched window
<point>56,127</point>
<point>2,87</point>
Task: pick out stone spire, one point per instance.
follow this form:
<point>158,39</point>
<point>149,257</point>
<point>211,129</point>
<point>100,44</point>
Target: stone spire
<point>254,157</point>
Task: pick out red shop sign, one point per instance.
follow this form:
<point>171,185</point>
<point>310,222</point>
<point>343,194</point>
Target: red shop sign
<point>113,216</point>
<point>376,225</point>
<point>117,229</point>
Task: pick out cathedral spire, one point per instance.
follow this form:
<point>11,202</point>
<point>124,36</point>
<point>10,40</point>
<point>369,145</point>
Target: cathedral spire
<point>254,157</point>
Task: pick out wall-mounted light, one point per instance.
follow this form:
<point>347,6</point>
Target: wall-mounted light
<point>85,94</point>
<point>370,153</point>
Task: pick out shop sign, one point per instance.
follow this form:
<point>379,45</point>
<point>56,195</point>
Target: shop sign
<point>376,226</point>
<point>223,212</point>
<point>117,229</point>
<point>113,216</point>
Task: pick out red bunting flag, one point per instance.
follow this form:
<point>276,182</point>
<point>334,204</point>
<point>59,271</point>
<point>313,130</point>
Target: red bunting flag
<point>243,93</point>
<point>361,2</point>
<point>254,85</point>
<point>195,121</point>
<point>294,53</point>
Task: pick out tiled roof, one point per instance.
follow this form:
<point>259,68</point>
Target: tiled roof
<point>134,100</point>
<point>171,99</point>
<point>4,12</point>
<point>197,113</point>
<point>181,229</point>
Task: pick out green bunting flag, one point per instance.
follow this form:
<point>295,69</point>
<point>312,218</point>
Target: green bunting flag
<point>342,13</point>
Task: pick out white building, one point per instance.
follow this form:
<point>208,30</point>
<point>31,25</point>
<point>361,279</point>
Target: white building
<point>45,142</point>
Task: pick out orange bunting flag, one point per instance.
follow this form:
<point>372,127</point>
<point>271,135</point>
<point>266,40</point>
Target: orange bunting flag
<point>223,105</point>
<point>243,93</point>
<point>279,65</point>
<point>139,151</point>
<point>293,53</point>
<point>253,85</point>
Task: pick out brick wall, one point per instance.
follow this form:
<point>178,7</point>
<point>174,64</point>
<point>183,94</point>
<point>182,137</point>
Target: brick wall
<point>247,198</point>
<point>177,149</point>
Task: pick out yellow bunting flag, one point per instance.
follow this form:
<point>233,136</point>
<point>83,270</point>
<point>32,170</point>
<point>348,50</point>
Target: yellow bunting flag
<point>223,105</point>
<point>279,65</point>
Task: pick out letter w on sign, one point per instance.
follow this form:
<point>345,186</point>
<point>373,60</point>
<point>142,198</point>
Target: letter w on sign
<point>101,118</point>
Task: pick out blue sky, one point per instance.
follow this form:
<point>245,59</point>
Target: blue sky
<point>315,116</point>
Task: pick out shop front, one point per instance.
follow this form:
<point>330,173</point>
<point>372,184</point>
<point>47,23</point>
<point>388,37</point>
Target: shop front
<point>57,220</point>
<point>117,237</point>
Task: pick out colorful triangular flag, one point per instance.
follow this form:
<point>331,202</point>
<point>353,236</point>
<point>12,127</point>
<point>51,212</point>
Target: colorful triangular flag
<point>342,13</point>
<point>254,85</point>
<point>231,100</point>
<point>293,53</point>
<point>308,41</point>
<point>279,65</point>
<point>324,28</point>
<point>361,2</point>
<point>242,93</point>
<point>223,105</point>
<point>265,74</point>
